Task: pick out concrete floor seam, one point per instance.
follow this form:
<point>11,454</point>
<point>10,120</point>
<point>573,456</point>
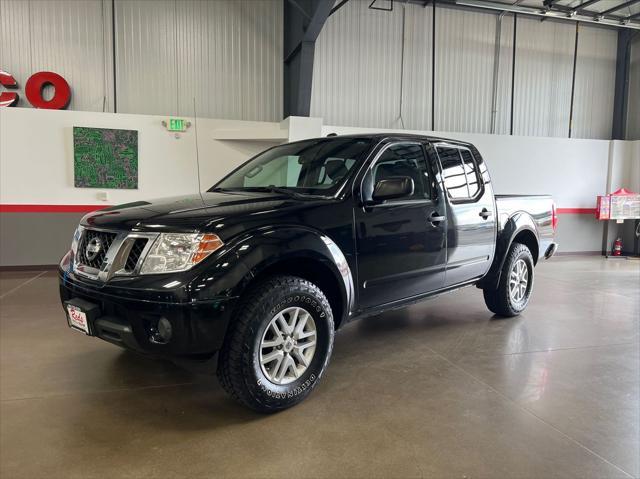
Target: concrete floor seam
<point>21,285</point>
<point>577,348</point>
<point>519,406</point>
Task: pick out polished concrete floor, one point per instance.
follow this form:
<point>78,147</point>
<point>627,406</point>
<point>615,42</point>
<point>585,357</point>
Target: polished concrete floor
<point>437,390</point>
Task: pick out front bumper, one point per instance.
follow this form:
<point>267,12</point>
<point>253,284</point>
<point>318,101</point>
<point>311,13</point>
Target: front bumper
<point>198,327</point>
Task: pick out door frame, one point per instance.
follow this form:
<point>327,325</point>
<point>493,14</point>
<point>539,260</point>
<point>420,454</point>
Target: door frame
<point>438,196</point>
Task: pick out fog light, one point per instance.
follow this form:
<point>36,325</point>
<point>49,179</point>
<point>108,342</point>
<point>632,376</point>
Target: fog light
<point>162,333</point>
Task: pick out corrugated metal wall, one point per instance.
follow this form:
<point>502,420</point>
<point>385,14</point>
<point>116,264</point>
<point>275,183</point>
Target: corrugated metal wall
<point>544,71</point>
<point>357,68</point>
<point>227,54</point>
<point>358,60</point>
<point>417,81</point>
<point>595,83</point>
<point>465,44</point>
<point>146,59</point>
<point>336,85</point>
<point>633,113</point>
<point>64,36</point>
<point>352,70</point>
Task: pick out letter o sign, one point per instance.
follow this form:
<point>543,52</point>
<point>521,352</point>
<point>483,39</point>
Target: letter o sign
<point>35,85</point>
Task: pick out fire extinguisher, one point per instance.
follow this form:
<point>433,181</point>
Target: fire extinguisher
<point>617,247</point>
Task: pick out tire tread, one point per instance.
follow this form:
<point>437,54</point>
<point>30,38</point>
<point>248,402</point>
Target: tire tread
<point>497,300</point>
<point>236,354</point>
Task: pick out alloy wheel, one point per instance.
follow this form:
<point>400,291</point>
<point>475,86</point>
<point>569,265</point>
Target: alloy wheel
<point>518,281</point>
<point>288,345</point>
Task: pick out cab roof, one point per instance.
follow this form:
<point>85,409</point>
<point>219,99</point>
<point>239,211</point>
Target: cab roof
<point>396,136</point>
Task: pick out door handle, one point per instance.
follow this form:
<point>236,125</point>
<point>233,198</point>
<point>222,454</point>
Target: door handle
<point>435,218</point>
<point>485,213</point>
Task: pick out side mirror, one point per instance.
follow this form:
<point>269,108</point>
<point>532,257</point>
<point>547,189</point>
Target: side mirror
<point>392,188</point>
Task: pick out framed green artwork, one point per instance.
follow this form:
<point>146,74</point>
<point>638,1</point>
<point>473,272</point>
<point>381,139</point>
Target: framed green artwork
<point>105,158</point>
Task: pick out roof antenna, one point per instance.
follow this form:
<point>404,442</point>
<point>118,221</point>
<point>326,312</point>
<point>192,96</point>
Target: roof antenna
<point>195,126</point>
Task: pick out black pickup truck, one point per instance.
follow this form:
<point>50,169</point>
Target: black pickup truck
<point>254,276</point>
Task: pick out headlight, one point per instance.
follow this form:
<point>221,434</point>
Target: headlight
<point>172,252</point>
<point>76,239</point>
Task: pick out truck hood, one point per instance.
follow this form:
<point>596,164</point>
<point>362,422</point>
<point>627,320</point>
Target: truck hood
<point>209,211</point>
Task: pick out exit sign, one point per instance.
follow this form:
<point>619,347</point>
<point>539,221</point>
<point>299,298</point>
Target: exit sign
<point>177,124</point>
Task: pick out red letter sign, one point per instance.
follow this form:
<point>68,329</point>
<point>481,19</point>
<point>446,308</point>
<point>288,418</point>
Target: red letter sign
<point>38,81</point>
<point>8,98</point>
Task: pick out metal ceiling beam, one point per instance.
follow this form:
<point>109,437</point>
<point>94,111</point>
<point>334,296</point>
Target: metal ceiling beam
<point>619,7</point>
<point>338,7</point>
<point>584,5</point>
<point>581,9</point>
<point>632,17</point>
<point>580,16</point>
<point>573,11</point>
<point>303,22</point>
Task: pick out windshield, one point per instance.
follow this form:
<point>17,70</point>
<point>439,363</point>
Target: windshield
<point>316,167</point>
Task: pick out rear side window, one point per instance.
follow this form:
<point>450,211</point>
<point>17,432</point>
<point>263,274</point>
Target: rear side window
<point>455,180</point>
<point>460,173</point>
<point>471,170</point>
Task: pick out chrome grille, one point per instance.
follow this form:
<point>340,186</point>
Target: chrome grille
<point>93,247</point>
<point>120,253</point>
<point>134,254</point>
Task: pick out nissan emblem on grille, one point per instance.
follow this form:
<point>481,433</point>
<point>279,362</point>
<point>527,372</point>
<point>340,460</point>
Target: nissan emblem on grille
<point>93,248</point>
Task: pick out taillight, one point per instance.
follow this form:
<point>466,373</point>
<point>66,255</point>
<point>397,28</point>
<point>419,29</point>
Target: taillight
<point>554,217</point>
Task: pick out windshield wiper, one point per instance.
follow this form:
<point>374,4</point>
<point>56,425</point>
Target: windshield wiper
<point>269,189</point>
<point>277,189</point>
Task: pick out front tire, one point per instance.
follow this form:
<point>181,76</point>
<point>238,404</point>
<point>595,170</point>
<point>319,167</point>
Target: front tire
<point>516,283</point>
<point>278,345</point>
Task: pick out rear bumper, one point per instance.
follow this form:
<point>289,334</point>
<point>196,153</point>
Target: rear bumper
<point>551,250</point>
<point>198,328</point>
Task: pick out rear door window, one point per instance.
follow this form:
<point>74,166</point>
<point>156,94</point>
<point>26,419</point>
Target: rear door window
<point>455,180</point>
<point>460,173</point>
<point>471,170</point>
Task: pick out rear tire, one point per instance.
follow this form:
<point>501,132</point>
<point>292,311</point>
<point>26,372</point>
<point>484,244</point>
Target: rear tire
<point>278,344</point>
<point>516,283</point>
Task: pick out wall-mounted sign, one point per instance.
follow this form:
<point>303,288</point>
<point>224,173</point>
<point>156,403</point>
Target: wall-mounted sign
<point>176,124</point>
<point>619,205</point>
<point>34,90</point>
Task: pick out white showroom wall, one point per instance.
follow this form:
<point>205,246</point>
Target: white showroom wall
<point>36,170</point>
<point>37,193</point>
<point>36,148</point>
<point>573,171</point>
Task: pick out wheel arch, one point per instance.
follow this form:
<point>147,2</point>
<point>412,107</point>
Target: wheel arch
<point>528,238</point>
<point>300,252</point>
<point>519,228</point>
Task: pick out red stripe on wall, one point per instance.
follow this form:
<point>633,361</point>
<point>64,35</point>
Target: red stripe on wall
<point>50,208</point>
<point>576,211</point>
<point>88,208</point>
